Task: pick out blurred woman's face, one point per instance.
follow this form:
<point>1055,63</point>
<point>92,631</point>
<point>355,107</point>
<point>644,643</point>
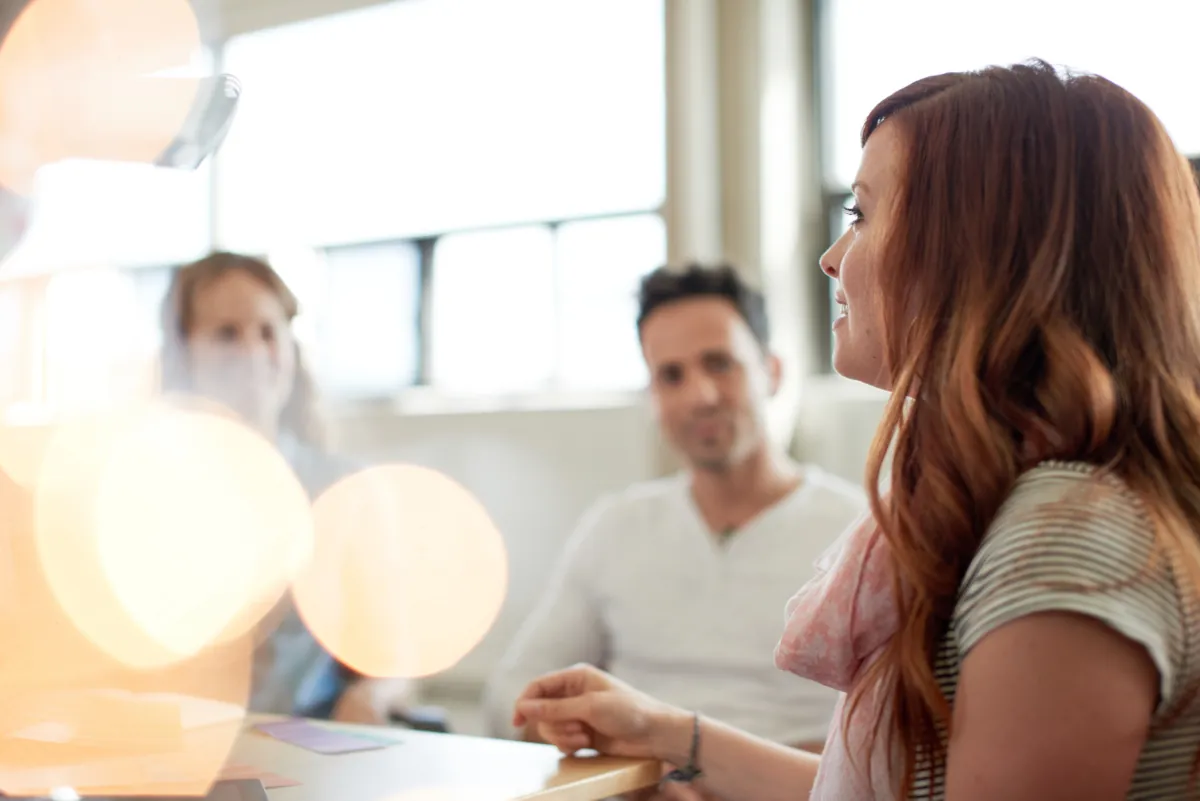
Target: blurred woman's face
<point>241,352</point>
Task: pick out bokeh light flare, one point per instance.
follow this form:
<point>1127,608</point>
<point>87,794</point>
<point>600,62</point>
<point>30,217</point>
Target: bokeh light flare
<point>408,572</point>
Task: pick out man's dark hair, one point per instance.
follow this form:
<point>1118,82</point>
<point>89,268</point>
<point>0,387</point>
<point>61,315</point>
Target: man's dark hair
<point>667,285</point>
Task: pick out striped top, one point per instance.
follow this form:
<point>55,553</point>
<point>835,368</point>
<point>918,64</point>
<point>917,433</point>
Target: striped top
<point>1069,538</point>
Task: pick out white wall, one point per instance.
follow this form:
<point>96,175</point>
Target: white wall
<point>836,424</point>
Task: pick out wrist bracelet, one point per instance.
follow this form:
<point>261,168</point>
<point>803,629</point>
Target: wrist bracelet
<point>690,772</point>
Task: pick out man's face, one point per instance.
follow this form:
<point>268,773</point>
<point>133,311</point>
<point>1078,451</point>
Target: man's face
<point>710,380</point>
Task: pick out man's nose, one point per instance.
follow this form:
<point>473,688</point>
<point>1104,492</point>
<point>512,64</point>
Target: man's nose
<point>702,390</point>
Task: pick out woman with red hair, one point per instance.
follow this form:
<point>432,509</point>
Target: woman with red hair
<point>1018,618</point>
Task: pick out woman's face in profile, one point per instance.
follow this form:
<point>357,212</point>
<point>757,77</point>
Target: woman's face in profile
<point>240,349</point>
<point>852,261</point>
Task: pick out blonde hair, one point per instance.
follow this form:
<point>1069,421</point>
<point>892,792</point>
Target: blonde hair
<point>300,416</point>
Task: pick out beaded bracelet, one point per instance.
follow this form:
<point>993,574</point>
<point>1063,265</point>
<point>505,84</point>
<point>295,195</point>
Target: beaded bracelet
<point>690,772</point>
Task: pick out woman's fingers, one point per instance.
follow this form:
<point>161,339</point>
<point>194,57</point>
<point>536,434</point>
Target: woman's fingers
<point>568,738</point>
<point>560,684</point>
<point>555,710</point>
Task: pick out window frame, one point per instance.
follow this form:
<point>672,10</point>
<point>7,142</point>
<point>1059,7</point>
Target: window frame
<point>426,246</point>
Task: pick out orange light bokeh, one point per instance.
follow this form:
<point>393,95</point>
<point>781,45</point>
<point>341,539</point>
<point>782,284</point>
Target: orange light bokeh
<point>163,530</point>
<point>408,572</point>
<point>73,715</point>
<point>77,81</point>
<point>22,449</point>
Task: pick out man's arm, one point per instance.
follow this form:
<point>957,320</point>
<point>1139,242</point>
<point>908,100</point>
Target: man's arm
<point>565,627</point>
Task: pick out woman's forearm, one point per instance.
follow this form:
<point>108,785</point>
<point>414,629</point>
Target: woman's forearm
<point>735,765</point>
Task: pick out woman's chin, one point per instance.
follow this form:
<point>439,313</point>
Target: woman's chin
<point>847,364</point>
<point>844,362</point>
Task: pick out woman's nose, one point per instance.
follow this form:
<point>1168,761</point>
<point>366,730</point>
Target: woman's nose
<point>831,260</point>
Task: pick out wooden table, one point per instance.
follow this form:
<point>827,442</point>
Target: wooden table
<point>441,767</point>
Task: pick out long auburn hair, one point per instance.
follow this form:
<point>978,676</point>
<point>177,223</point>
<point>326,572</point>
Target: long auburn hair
<point>1041,299</point>
<point>301,417</point>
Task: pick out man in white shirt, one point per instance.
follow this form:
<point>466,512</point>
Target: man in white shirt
<point>678,585</point>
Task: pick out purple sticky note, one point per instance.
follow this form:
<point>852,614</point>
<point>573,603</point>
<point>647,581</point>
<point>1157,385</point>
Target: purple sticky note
<point>317,739</point>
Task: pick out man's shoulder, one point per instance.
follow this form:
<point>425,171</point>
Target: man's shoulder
<point>618,521</point>
<point>650,496</point>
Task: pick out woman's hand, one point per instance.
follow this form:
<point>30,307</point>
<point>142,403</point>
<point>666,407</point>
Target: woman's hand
<point>583,707</point>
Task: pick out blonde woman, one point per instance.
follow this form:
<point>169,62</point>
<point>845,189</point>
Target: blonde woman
<point>227,337</point>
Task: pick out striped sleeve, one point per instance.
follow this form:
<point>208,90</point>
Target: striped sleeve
<point>1067,540</point>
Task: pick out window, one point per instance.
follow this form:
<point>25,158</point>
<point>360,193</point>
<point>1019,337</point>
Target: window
<point>478,228</point>
<point>905,41</point>
<point>861,63</point>
<point>426,116</point>
<point>601,263</point>
<point>493,311</point>
<point>461,193</point>
<point>306,273</point>
<point>370,341</point>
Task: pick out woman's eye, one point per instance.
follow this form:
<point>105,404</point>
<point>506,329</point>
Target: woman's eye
<point>854,212</point>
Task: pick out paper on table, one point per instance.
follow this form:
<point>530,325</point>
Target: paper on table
<point>315,738</point>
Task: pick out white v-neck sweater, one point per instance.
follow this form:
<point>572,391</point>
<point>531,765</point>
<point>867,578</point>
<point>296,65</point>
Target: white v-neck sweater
<point>646,591</point>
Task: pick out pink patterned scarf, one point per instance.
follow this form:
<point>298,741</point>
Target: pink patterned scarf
<point>837,624</point>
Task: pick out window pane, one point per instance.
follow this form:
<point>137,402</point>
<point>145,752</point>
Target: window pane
<point>493,311</point>
<point>877,46</point>
<point>306,273</point>
<point>431,115</point>
<point>601,263</point>
<point>128,215</point>
<point>368,343</point>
